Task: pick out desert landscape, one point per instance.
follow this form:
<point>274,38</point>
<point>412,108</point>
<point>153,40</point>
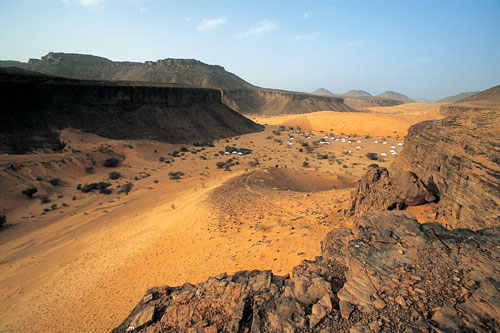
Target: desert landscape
<point>172,195</point>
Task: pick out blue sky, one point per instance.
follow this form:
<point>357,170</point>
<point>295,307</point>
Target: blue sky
<point>428,49</point>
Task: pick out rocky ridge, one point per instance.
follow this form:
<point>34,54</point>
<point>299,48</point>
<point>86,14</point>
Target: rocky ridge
<point>455,159</point>
<point>388,273</point>
<point>237,93</point>
<point>33,107</point>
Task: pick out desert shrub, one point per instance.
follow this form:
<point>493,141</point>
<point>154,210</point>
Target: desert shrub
<point>114,175</point>
<point>278,140</point>
<point>372,156</point>
<point>155,181</point>
<point>175,175</point>
<point>254,163</point>
<point>276,132</point>
<point>204,144</point>
<point>183,149</point>
<point>175,153</point>
<point>373,165</point>
<point>89,169</point>
<point>282,128</point>
<point>161,159</point>
<point>126,188</point>
<point>304,144</point>
<point>305,164</point>
<point>44,198</point>
<point>220,164</point>
<point>345,166</point>
<point>3,219</point>
<point>111,162</point>
<point>322,156</point>
<point>54,206</point>
<point>310,149</point>
<point>38,178</point>
<point>103,188</point>
<point>29,191</point>
<point>55,181</point>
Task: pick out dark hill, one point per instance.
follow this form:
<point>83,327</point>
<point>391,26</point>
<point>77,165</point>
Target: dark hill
<point>396,96</point>
<point>237,93</point>
<point>323,92</point>
<point>357,93</point>
<point>34,106</point>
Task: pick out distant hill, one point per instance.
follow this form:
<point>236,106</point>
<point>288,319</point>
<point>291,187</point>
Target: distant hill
<point>457,98</point>
<point>322,92</point>
<point>489,98</point>
<point>396,96</point>
<point>237,93</point>
<point>357,93</point>
<point>35,106</point>
<point>423,100</point>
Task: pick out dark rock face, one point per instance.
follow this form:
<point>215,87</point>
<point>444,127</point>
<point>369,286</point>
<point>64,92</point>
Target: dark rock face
<point>33,106</point>
<point>379,189</point>
<point>389,273</point>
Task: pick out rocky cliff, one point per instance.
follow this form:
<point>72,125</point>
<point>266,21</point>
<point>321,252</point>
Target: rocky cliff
<point>267,101</point>
<point>456,158</point>
<point>389,273</point>
<point>34,106</point>
<point>240,95</point>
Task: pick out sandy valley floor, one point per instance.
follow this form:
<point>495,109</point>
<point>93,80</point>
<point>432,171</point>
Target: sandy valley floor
<point>83,264</point>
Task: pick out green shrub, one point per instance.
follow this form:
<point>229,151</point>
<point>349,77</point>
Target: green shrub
<point>175,175</point>
<point>111,162</point>
<point>29,191</point>
<point>373,165</point>
<point>305,164</point>
<point>55,181</point>
<point>372,156</point>
<point>114,175</point>
<point>89,169</point>
<point>126,188</point>
<point>44,198</point>
<point>3,220</point>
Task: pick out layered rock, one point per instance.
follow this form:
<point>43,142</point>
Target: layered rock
<point>238,94</point>
<point>379,189</point>
<point>456,159</point>
<point>389,273</point>
<point>34,106</point>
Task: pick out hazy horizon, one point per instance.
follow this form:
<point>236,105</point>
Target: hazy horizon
<point>423,50</point>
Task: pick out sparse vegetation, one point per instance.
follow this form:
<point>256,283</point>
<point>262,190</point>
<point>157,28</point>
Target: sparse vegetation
<point>44,198</point>
<point>372,156</point>
<point>89,169</point>
<point>111,162</point>
<point>29,191</point>
<point>126,188</point>
<point>373,165</point>
<point>3,220</point>
<point>55,181</point>
<point>305,164</point>
<point>114,175</point>
<point>101,186</point>
<point>174,175</point>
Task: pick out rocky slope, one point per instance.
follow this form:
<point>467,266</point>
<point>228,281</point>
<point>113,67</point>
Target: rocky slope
<point>389,273</point>
<point>456,158</point>
<point>188,72</point>
<point>457,98</point>
<point>34,106</point>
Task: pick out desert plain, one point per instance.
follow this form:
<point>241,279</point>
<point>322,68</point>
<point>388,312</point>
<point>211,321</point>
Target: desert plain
<point>80,261</point>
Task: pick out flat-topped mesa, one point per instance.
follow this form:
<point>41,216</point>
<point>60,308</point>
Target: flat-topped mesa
<point>185,72</point>
<point>389,273</point>
<point>34,106</point>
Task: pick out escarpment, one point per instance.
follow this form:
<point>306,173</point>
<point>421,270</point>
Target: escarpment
<point>456,159</point>
<point>272,102</point>
<point>238,94</point>
<point>34,106</point>
<point>389,273</point>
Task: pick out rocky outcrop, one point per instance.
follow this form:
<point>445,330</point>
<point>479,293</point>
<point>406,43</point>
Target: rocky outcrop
<point>389,273</point>
<point>366,102</point>
<point>238,94</point>
<point>379,189</point>
<point>34,106</point>
<point>456,158</point>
